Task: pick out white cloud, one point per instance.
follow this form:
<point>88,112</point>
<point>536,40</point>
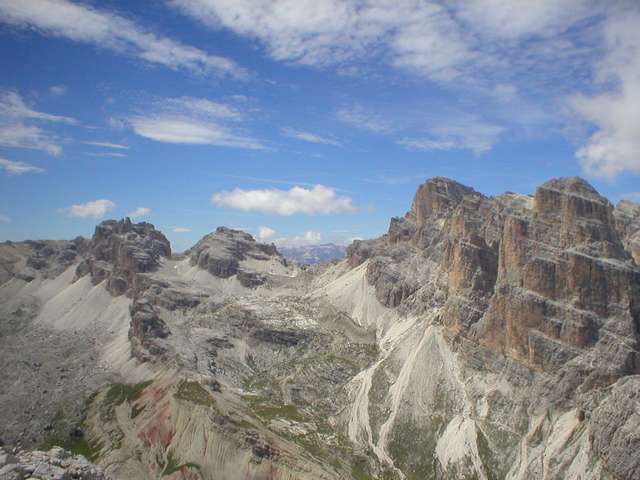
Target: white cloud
<point>265,232</point>
<point>107,154</point>
<point>438,40</point>
<point>461,134</point>
<point>417,35</point>
<point>181,229</point>
<point>359,117</point>
<point>508,19</point>
<point>201,106</point>
<point>17,128</point>
<point>5,218</point>
<point>58,90</point>
<point>309,237</point>
<point>18,168</point>
<point>92,209</point>
<point>194,121</point>
<point>107,145</point>
<point>309,137</point>
<point>316,200</point>
<point>82,23</point>
<point>614,147</point>
<point>139,212</point>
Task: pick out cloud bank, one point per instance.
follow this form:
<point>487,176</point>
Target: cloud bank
<point>297,200</point>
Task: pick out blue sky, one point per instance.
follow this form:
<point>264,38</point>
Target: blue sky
<point>315,120</point>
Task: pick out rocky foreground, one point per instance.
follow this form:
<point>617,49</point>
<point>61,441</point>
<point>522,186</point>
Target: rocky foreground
<point>481,337</point>
<point>56,464</point>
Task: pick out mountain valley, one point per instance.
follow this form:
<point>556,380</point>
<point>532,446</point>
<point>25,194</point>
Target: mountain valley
<point>479,338</point>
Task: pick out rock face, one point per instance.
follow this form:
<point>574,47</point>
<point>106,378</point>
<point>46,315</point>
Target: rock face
<point>547,282</point>
<point>537,278</point>
<point>480,337</point>
<point>628,222</point>
<point>228,252</point>
<point>47,258</point>
<point>120,253</point>
<point>119,250</point>
<point>55,464</point>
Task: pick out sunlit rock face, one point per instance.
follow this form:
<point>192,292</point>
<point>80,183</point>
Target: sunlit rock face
<point>120,250</point>
<point>480,337</point>
<point>541,292</point>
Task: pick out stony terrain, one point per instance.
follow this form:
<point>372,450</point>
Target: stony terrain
<point>481,337</point>
<point>56,464</point>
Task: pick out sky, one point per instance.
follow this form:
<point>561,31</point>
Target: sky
<point>304,121</point>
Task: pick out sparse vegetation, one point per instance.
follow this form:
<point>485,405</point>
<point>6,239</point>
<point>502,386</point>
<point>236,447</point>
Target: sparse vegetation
<point>172,466</point>
<point>193,392</point>
<point>267,410</point>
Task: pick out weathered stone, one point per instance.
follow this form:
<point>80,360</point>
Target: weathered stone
<point>120,250</point>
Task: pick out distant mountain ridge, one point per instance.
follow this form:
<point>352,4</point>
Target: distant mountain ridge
<point>314,254</point>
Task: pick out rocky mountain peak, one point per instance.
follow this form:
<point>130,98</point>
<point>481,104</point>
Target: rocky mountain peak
<point>436,197</point>
<point>228,252</point>
<point>119,250</point>
<point>578,216</point>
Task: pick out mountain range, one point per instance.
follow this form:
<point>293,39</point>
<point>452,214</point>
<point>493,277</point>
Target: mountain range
<point>479,338</point>
<point>313,254</point>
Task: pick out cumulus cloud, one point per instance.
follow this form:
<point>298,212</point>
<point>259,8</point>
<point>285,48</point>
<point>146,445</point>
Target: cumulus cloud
<point>139,212</point>
<point>310,201</point>
<point>265,233</point>
<point>180,229</point>
<point>92,209</point>
<point>614,146</point>
<point>18,168</point>
<point>104,29</point>
<point>193,121</point>
<point>20,125</point>
<point>309,137</point>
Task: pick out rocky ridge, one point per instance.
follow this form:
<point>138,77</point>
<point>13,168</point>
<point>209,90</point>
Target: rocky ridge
<point>498,337</point>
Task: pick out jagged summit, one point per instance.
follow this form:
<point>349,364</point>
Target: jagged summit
<point>119,250</point>
<point>227,252</point>
<point>480,337</point>
<point>437,196</point>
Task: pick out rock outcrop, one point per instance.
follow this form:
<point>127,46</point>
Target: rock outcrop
<point>120,250</point>
<point>628,223</point>
<point>227,252</point>
<point>538,278</point>
<point>55,464</point>
<point>480,337</point>
<point>31,258</point>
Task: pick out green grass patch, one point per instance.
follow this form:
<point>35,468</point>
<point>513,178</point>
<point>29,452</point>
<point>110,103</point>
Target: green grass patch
<point>119,393</point>
<point>267,410</point>
<point>58,437</point>
<point>358,473</point>
<point>174,466</point>
<point>193,392</point>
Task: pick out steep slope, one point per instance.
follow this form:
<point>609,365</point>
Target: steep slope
<point>521,298</point>
<point>481,337</point>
